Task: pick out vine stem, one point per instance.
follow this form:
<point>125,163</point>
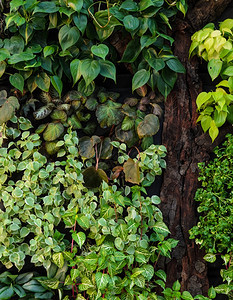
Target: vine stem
<point>157,259</point>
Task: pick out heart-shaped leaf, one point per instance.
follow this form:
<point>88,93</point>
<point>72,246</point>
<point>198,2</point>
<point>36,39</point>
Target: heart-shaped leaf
<point>68,36</point>
<point>8,108</point>
<point>75,70</point>
<point>93,178</point>
<point>109,114</point>
<point>149,126</point>
<point>17,81</point>
<point>101,50</point>
<point>53,131</point>
<point>43,81</point>
<point>79,238</point>
<point>140,78</point>
<point>89,69</point>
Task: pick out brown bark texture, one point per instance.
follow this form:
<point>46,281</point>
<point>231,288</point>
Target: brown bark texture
<point>186,146</point>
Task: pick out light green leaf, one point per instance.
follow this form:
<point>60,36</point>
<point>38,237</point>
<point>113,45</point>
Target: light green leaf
<point>101,280</point>
<point>131,23</point>
<point>214,68</point>
<point>79,238</point>
<point>75,4</point>
<point>4,53</point>
<point>53,131</point>
<point>209,257</point>
<point>58,259</point>
<point>202,98</point>
<point>101,50</point>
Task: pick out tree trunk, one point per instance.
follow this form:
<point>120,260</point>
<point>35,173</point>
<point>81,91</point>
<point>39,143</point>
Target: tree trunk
<point>186,146</point>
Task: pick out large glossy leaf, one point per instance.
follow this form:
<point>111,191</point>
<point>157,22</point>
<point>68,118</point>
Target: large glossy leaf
<point>4,53</point>
<point>17,81</point>
<point>153,60</point>
<point>107,69</point>
<point>80,20</point>
<point>53,131</point>
<point>132,51</point>
<point>57,84</point>
<point>46,7</point>
<point>6,292</point>
<point>58,259</point>
<point>14,45</point>
<point>109,114</point>
<point>101,280</point>
<point>100,50</point>
<point>214,68</point>
<point>93,178</point>
<point>89,69</point>
<point>75,4</point>
<point>75,70</point>
<point>175,65</point>
<point>8,108</point>
<point>149,126</point>
<point>43,81</point>
<point>140,78</point>
<point>131,170</point>
<point>68,36</point>
<point>131,23</point>
<point>24,56</point>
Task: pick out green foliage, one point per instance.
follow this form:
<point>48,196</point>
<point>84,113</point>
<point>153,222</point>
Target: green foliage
<point>34,195</point>
<point>23,286</point>
<point>215,47</point>
<point>214,229</point>
<point>52,41</point>
<point>8,105</point>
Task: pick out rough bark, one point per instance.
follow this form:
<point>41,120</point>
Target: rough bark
<point>186,146</point>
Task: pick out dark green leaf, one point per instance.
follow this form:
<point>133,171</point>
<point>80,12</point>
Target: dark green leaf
<point>17,81</point>
<point>140,78</point>
<point>93,178</point>
<point>132,51</point>
<point>75,4</point>
<point>68,36</point>
<point>107,69</point>
<point>80,20</point>
<point>46,7</point>
<point>89,69</point>
<point>57,84</point>
<point>175,65</point>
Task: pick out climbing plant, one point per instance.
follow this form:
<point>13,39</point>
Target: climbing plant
<point>215,47</point>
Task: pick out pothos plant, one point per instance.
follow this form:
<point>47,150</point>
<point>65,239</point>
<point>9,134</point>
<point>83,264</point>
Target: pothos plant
<point>48,42</point>
<point>215,47</point>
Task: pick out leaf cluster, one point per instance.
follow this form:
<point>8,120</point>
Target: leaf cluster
<point>215,47</point>
<point>52,41</point>
<point>214,229</point>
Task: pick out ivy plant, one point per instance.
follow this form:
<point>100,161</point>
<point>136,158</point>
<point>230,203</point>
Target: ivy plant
<point>213,232</point>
